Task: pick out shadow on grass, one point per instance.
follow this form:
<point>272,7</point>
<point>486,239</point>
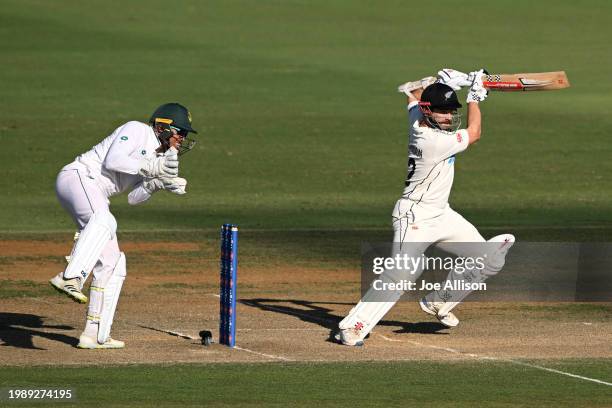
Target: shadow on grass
<point>316,313</point>
<point>17,330</point>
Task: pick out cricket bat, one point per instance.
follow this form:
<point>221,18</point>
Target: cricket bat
<point>537,81</point>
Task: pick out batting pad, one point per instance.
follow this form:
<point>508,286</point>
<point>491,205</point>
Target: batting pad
<point>100,229</point>
<point>370,309</point>
<point>494,251</point>
<point>112,289</point>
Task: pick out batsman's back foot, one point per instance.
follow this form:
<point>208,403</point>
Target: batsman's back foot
<point>68,287</point>
<point>505,242</point>
<point>88,343</point>
<point>431,308</point>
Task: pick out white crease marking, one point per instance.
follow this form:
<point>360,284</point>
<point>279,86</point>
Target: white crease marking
<point>263,354</point>
<point>506,360</point>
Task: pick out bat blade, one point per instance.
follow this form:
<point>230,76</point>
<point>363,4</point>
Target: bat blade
<point>539,81</point>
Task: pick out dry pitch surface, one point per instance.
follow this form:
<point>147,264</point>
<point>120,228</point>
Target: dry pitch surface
<point>285,313</point>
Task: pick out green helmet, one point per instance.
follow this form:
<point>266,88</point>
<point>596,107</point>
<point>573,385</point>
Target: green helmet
<point>173,114</point>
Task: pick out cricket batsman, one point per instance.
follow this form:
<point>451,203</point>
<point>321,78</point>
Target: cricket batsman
<point>422,216</point>
<point>137,157</point>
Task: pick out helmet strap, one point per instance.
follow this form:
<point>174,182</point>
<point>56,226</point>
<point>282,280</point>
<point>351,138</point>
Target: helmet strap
<point>431,122</point>
<point>427,115</point>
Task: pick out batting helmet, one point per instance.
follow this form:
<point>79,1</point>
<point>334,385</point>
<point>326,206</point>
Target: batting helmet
<point>439,96</point>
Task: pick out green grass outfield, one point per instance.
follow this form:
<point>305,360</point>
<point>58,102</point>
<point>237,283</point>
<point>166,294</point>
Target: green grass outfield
<point>424,384</point>
<point>301,130</point>
<point>300,122</point>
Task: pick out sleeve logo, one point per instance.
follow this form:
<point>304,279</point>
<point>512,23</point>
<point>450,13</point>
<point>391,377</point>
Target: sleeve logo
<point>124,138</point>
<point>459,138</point>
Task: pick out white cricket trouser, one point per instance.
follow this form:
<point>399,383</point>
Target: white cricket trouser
<point>419,228</point>
<point>414,225</point>
<point>80,196</point>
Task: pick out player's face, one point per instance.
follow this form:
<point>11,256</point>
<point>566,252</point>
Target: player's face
<point>177,137</point>
<point>445,118</point>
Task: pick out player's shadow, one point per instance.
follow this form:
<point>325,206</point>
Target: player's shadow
<point>423,328</point>
<point>317,313</point>
<point>305,310</point>
<point>19,330</point>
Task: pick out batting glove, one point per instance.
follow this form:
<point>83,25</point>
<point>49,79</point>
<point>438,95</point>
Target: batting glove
<point>165,165</point>
<point>408,87</point>
<point>454,79</point>
<point>476,76</point>
<point>477,92</point>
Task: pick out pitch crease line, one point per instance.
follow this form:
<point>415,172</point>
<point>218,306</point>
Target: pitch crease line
<point>506,360</point>
<point>263,354</point>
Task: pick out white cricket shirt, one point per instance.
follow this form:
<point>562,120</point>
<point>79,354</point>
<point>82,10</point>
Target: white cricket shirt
<point>114,163</point>
<point>431,157</point>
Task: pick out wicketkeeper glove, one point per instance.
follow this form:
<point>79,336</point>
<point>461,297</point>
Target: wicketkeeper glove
<point>477,92</point>
<point>152,185</point>
<point>165,165</point>
<point>175,185</point>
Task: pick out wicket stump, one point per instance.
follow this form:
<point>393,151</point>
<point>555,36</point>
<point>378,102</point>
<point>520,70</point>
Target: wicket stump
<point>229,269</point>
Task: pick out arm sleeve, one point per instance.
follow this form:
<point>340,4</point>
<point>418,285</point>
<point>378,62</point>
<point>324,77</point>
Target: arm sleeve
<point>138,195</point>
<point>450,144</point>
<point>414,113</point>
<point>129,139</point>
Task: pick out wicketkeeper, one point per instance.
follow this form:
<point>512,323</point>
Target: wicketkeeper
<point>422,216</point>
<point>137,157</point>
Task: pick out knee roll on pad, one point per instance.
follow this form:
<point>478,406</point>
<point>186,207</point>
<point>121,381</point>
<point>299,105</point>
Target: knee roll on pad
<point>397,275</point>
<point>100,229</point>
<point>106,219</point>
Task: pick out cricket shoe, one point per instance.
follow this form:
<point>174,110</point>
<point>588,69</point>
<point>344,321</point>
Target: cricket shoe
<point>86,342</point>
<point>432,308</point>
<point>69,287</point>
<point>505,243</point>
<point>349,337</point>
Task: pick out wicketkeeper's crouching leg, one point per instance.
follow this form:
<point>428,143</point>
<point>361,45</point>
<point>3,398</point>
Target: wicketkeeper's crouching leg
<point>104,295</point>
<point>99,232</point>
